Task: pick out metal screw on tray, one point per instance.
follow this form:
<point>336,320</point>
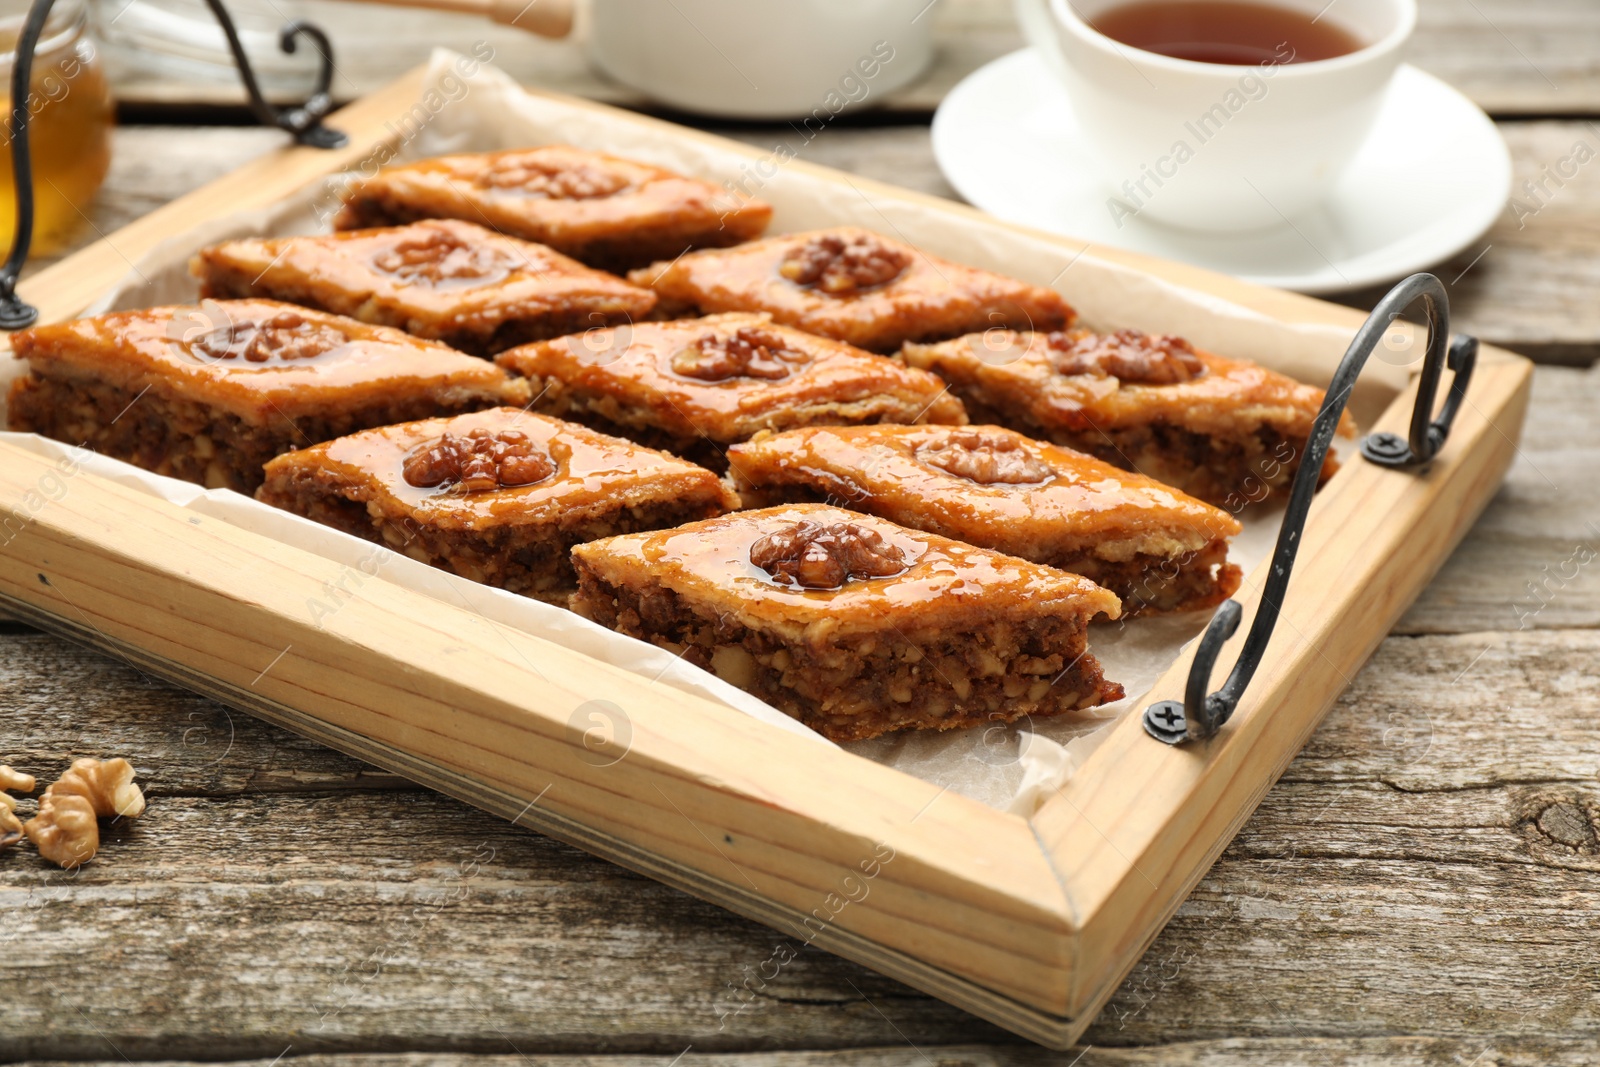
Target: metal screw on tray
<point>1200,715</point>
<point>304,122</point>
<point>1165,722</point>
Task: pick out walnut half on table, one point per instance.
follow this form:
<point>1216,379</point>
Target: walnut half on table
<point>106,784</point>
<point>65,830</point>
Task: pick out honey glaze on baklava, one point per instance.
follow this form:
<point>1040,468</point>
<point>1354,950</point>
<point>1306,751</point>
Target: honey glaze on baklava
<point>441,279</point>
<point>1224,430</point>
<point>601,210</point>
<point>695,386</point>
<point>852,624</point>
<point>1157,549</point>
<point>853,285</point>
<point>210,393</point>
<point>498,496</point>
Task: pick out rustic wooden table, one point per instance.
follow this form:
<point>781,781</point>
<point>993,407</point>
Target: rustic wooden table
<point>1422,887</point>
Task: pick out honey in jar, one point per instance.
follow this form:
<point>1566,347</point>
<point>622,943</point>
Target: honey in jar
<point>69,123</point>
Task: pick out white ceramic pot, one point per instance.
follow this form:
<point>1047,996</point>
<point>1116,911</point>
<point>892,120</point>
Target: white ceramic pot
<point>766,59</point>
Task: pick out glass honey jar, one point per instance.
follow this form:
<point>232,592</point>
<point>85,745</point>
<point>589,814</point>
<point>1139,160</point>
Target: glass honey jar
<point>70,116</point>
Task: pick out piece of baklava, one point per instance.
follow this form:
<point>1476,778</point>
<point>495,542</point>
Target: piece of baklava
<point>695,386</point>
<point>852,624</point>
<point>1156,548</point>
<point>1226,431</point>
<point>498,496</point>
<point>210,393</point>
<point>607,212</point>
<point>441,279</point>
<point>853,285</point>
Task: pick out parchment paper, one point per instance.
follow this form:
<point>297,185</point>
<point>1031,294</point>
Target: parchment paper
<point>466,106</point>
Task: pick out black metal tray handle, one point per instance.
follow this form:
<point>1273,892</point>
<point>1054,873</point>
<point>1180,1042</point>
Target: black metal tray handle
<point>1199,716</point>
<point>303,122</point>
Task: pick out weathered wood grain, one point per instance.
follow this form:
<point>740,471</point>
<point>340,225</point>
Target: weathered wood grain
<point>60,698</point>
<point>1532,291</point>
<point>1533,559</point>
<point>403,921</point>
<point>1427,869</point>
<point>1510,57</point>
<point>1242,1052</point>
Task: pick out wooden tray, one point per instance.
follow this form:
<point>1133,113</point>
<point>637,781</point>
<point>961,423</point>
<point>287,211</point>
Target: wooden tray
<point>1030,923</point>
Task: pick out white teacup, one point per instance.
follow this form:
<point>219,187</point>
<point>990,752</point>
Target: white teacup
<point>792,59</point>
<point>1214,146</point>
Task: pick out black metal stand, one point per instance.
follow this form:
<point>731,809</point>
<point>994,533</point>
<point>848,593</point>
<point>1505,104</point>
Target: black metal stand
<point>1199,716</point>
<point>303,122</point>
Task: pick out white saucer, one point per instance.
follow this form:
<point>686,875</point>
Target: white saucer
<point>1433,176</point>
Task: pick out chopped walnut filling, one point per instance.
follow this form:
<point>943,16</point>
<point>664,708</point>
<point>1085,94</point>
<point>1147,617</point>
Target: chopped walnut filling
<point>553,181</point>
<point>477,462</point>
<point>285,336</point>
<point>745,353</point>
<point>1127,355</point>
<point>839,267</point>
<point>985,458</point>
<point>439,257</point>
<point>812,555</point>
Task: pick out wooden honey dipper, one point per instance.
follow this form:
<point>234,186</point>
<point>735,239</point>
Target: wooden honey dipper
<point>547,18</point>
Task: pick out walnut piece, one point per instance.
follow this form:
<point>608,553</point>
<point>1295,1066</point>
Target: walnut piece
<point>106,784</point>
<point>1127,355</point>
<point>745,353</point>
<point>985,458</point>
<point>15,781</point>
<point>438,257</point>
<point>550,180</point>
<point>478,461</point>
<point>10,825</point>
<point>812,555</point>
<point>285,336</point>
<point>840,266</point>
<point>64,831</point>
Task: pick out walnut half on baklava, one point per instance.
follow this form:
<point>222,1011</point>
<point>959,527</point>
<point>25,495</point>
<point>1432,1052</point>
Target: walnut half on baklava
<point>852,624</point>
<point>498,496</point>
<point>604,211</point>
<point>1224,430</point>
<point>855,286</point>
<point>442,279</point>
<point>695,386</point>
<point>210,393</point>
<point>1156,548</point>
